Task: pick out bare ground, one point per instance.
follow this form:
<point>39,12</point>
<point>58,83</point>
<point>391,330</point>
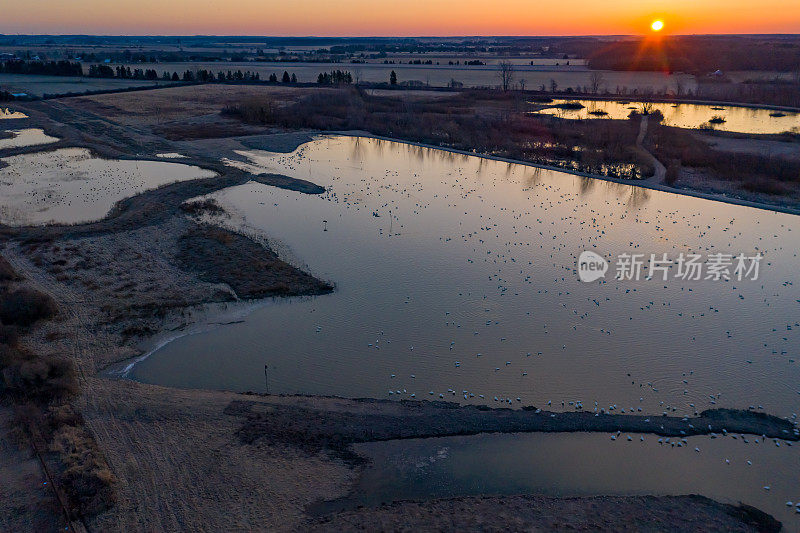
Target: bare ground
<point>26,502</point>
<point>540,513</point>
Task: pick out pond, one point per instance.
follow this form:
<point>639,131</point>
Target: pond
<point>25,137</point>
<point>692,116</point>
<point>456,278</point>
<point>457,273</point>
<point>727,469</point>
<point>71,185</point>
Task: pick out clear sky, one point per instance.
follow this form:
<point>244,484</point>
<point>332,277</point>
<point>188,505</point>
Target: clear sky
<point>396,17</point>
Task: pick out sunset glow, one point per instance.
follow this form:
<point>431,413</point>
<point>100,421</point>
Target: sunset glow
<point>657,25</point>
<point>381,17</point>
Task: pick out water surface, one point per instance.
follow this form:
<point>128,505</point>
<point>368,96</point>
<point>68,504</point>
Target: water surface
<point>71,185</point>
<point>25,137</point>
<point>581,464</point>
<point>456,278</point>
<point>456,273</point>
<point>692,116</point>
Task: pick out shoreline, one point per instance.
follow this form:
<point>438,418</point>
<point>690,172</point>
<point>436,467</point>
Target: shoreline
<point>633,183</point>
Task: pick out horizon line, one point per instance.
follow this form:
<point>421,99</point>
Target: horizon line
<point>488,36</point>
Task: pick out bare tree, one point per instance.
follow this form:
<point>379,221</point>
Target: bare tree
<point>596,79</point>
<point>522,84</point>
<point>505,70</point>
<point>553,85</point>
<point>680,85</point>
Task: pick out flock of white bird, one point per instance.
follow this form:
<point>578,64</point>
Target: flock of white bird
<point>521,232</point>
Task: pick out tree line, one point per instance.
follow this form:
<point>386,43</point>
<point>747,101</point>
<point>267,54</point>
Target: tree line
<point>47,68</point>
<point>335,77</point>
<point>200,75</point>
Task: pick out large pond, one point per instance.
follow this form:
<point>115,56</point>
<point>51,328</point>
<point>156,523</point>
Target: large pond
<point>693,116</point>
<point>729,469</point>
<point>457,273</point>
<point>71,185</point>
<point>456,278</point>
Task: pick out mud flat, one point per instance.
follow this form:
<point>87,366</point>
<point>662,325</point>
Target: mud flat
<point>540,513</point>
<point>71,185</point>
<point>376,420</point>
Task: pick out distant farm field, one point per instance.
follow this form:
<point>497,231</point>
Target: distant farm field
<point>42,85</point>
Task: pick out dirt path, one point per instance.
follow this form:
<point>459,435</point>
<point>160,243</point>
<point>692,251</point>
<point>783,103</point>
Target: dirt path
<point>659,170</point>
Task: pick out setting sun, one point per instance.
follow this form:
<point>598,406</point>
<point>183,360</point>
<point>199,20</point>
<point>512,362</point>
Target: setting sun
<point>657,25</point>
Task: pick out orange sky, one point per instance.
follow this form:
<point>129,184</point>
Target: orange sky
<point>396,17</point>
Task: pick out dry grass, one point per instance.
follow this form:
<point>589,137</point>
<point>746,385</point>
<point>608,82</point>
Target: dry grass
<point>25,306</point>
<point>252,271</point>
<point>203,207</point>
<point>40,388</point>
<point>181,466</point>
<point>7,272</point>
<point>177,103</point>
<point>751,172</point>
<point>24,505</point>
<point>542,513</point>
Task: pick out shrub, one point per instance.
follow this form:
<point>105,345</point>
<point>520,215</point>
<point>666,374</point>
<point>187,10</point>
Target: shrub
<point>25,306</point>
<point>673,172</point>
<point>200,207</point>
<point>86,478</point>
<point>41,378</point>
<point>7,272</point>
<point>9,335</point>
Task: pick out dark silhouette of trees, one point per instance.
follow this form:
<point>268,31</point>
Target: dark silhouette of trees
<point>335,77</point>
<point>393,78</point>
<point>285,78</point>
<point>505,70</point>
<point>596,79</point>
<point>47,68</point>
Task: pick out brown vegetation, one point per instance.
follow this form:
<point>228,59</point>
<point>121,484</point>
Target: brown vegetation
<point>7,272</point>
<point>752,172</point>
<point>218,255</point>
<point>490,123</point>
<point>40,388</point>
<point>24,307</point>
<point>208,206</point>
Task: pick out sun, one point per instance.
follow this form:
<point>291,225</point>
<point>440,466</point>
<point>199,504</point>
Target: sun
<point>657,25</point>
